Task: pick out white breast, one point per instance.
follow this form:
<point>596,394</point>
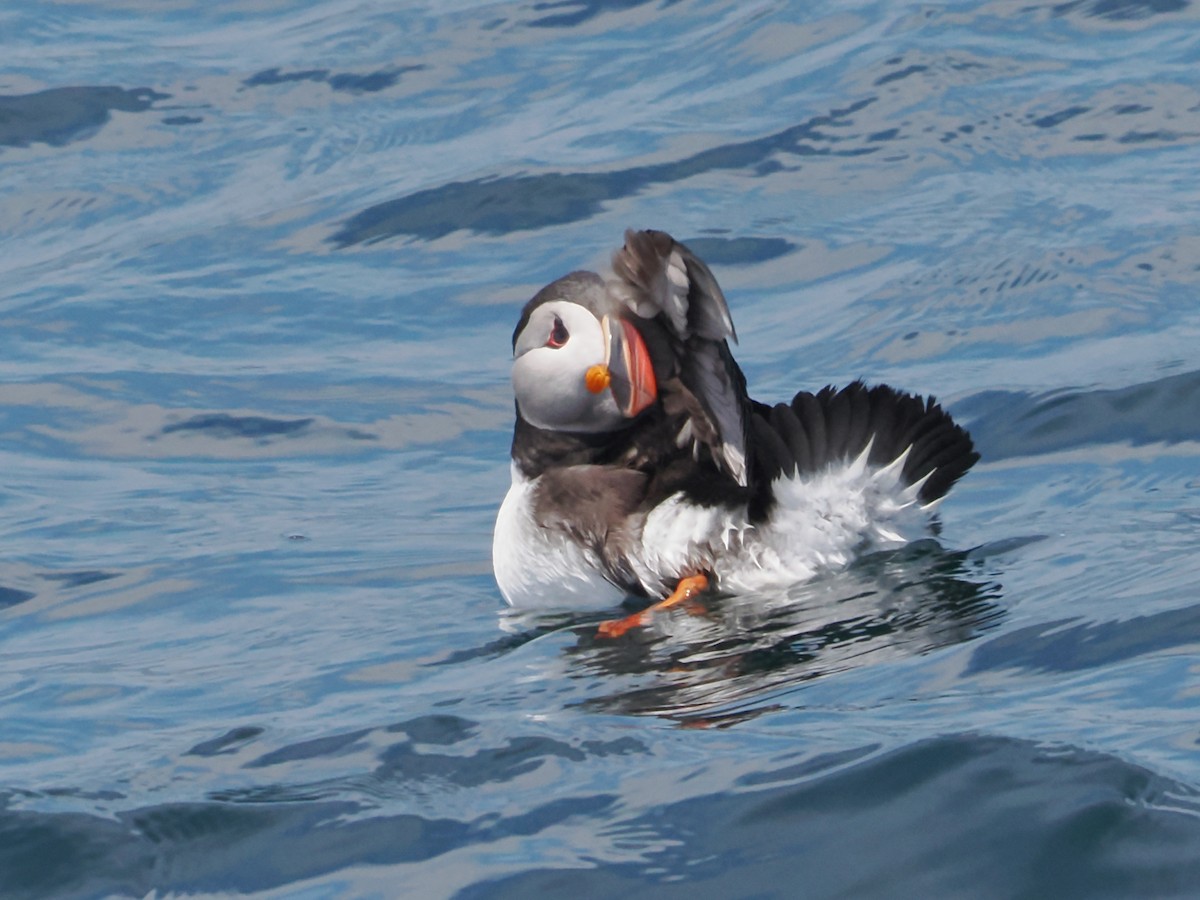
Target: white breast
<point>540,567</point>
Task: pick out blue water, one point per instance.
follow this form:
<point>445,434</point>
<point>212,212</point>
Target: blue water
<point>260,265</point>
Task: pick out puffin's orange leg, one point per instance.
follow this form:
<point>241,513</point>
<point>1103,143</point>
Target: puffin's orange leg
<point>688,588</point>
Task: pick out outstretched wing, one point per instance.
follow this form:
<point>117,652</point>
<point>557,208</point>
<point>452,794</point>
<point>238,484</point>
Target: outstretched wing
<point>661,280</point>
<point>881,426</point>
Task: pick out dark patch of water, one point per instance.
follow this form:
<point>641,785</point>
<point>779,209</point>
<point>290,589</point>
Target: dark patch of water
<point>58,116</point>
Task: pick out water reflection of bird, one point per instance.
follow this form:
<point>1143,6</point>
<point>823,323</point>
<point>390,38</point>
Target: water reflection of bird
<point>736,661</point>
<point>640,465</point>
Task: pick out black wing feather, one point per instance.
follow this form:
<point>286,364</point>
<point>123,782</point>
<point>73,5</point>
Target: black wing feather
<point>784,421</point>
<point>831,426</point>
<point>661,281</point>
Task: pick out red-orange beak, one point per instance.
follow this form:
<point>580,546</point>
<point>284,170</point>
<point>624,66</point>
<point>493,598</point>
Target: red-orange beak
<point>628,371</point>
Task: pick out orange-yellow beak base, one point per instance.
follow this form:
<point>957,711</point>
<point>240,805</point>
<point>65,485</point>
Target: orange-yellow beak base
<point>597,378</point>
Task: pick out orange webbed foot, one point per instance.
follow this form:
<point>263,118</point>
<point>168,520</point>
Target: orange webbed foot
<point>688,589</point>
<point>614,628</point>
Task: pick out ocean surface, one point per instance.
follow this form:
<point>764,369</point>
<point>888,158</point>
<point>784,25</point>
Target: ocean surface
<point>259,267</point>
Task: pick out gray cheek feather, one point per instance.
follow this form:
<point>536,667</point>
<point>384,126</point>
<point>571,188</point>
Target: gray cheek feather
<point>551,384</point>
<point>558,403</point>
<point>542,401</point>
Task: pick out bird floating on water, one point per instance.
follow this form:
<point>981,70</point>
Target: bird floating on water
<point>640,465</point>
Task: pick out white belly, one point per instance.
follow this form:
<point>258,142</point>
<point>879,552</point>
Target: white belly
<point>537,567</point>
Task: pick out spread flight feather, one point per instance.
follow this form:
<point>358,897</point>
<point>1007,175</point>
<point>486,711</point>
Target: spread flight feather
<point>659,278</point>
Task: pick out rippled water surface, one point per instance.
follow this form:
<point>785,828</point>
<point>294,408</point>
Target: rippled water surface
<point>261,262</point>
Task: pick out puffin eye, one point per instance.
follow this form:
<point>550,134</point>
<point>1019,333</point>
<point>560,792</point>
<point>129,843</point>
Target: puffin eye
<point>558,334</point>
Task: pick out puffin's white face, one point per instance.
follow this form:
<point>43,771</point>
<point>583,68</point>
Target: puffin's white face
<point>575,372</point>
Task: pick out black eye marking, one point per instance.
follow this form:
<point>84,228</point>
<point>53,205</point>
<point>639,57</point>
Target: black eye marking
<point>558,334</point>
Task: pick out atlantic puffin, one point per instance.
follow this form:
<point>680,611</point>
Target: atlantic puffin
<point>641,467</point>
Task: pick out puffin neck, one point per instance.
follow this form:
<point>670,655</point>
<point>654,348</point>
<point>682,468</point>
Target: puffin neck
<point>535,450</point>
